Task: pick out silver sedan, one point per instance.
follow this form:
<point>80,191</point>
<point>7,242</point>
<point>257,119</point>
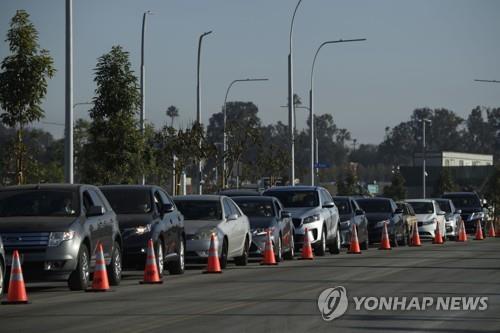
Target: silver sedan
<point>205,215</point>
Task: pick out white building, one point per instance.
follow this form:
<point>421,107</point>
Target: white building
<point>453,159</point>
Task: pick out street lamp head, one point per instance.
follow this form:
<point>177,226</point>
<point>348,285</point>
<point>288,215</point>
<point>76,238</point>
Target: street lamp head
<point>206,33</point>
<point>148,12</point>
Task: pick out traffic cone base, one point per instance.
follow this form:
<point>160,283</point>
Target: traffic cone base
<point>491,231</point>
<point>415,237</point>
<point>100,281</point>
<point>479,231</point>
<point>462,235</point>
<point>385,243</point>
<point>354,243</point>
<point>213,264</point>
<point>307,252</point>
<point>437,236</point>
<point>17,289</point>
<point>151,275</point>
<point>268,258</point>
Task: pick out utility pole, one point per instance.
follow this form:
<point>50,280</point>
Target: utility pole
<point>68,138</point>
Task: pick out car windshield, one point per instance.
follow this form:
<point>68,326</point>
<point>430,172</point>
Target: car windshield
<point>444,205</point>
<point>375,206</point>
<point>296,198</point>
<point>469,201</point>
<point>256,208</point>
<point>129,200</point>
<point>39,203</point>
<point>342,205</point>
<point>200,209</point>
<point>422,207</point>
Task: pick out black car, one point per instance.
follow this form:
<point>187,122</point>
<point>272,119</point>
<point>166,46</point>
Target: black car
<point>380,211</point>
<point>471,209</point>
<point>239,192</point>
<point>147,212</point>
<point>267,213</point>
<point>57,229</point>
<point>350,213</point>
<point>2,267</point>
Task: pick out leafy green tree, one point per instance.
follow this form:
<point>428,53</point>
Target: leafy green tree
<point>172,112</point>
<point>23,83</point>
<point>397,189</point>
<point>114,152</point>
<point>445,183</point>
<point>347,183</point>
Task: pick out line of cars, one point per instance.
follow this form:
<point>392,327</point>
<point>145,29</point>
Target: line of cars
<point>57,227</point>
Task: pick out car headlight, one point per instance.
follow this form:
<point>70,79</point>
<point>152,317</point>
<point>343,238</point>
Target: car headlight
<point>380,224</point>
<point>429,222</point>
<point>56,238</point>
<point>476,215</point>
<point>262,231</point>
<point>141,230</point>
<point>312,218</point>
<point>205,233</point>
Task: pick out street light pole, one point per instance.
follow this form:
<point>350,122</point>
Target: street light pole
<point>311,109</point>
<point>143,78</point>
<point>224,144</point>
<point>68,140</point>
<point>198,109</point>
<point>291,104</point>
<point>424,121</point>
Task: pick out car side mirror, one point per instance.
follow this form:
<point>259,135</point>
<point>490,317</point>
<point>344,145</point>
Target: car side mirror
<point>95,211</point>
<point>167,208</point>
<point>458,211</point>
<point>328,204</point>
<point>398,211</point>
<point>285,214</point>
<point>232,217</point>
<point>359,212</point>
<point>441,212</point>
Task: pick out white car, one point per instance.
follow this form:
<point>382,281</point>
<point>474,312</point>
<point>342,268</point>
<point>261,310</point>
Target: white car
<point>452,217</point>
<point>429,215</point>
<point>205,215</point>
<point>312,207</point>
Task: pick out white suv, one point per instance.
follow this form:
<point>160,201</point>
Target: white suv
<point>312,207</point>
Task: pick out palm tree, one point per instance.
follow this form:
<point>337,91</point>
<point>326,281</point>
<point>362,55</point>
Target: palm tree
<point>172,112</point>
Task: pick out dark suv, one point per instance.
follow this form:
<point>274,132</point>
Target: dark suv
<point>56,229</point>
<point>471,208</point>
<point>147,212</point>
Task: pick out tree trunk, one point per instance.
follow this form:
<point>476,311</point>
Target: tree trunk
<point>19,151</point>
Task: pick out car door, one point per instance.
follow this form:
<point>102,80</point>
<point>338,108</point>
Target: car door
<point>173,220</point>
<point>164,221</point>
<point>240,227</point>
<point>285,224</point>
<point>360,220</point>
<point>330,212</point>
<point>104,223</point>
<point>92,223</point>
<point>229,227</point>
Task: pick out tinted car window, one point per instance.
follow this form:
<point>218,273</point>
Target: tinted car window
<point>234,208</point>
<point>445,205</point>
<point>129,201</point>
<point>96,199</point>
<point>256,208</point>
<point>39,203</point>
<point>343,206</point>
<point>296,198</point>
<point>422,207</point>
<point>227,208</point>
<point>199,209</point>
<point>464,201</point>
<point>375,206</point>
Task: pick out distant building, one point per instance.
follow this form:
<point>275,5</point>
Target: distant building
<point>452,159</point>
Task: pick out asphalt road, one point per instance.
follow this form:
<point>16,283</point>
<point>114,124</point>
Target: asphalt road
<point>280,298</point>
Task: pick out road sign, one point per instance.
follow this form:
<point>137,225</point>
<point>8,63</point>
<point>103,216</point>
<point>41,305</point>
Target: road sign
<point>373,188</point>
<point>321,165</point>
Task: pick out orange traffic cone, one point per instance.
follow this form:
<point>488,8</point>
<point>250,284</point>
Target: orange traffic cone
<point>354,244</point>
<point>479,231</point>
<point>462,235</point>
<point>438,239</point>
<point>385,244</point>
<point>491,231</point>
<point>415,237</point>
<point>307,253</point>
<point>151,275</point>
<point>100,280</point>
<point>268,258</point>
<point>213,265</point>
<point>17,289</point>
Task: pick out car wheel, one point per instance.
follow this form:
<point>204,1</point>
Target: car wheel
<point>335,245</point>
<point>115,266</point>
<point>278,251</point>
<point>178,266</point>
<point>1,279</point>
<point>243,259</point>
<point>291,245</point>
<point>80,277</point>
<point>160,260</point>
<point>365,245</point>
<point>320,247</point>
<point>223,255</point>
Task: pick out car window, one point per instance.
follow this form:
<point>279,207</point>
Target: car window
<point>278,208</point>
<point>158,201</point>
<point>327,195</point>
<point>87,201</point>
<point>422,207</point>
<point>96,199</point>
<point>200,209</point>
<point>227,208</point>
<point>343,205</point>
<point>129,200</point>
<point>234,208</point>
<point>299,198</point>
<point>39,202</point>
<point>166,198</point>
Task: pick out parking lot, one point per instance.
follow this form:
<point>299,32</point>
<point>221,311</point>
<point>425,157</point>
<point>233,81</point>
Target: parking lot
<point>280,298</point>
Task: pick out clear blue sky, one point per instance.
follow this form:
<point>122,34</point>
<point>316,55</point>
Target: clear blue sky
<point>418,53</point>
